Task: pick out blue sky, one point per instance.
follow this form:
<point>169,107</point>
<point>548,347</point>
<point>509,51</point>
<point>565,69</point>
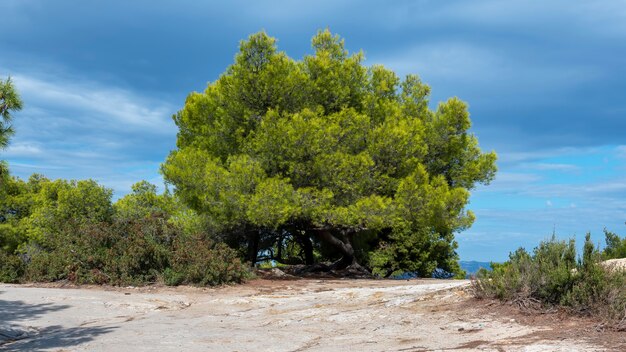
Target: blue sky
<point>545,81</point>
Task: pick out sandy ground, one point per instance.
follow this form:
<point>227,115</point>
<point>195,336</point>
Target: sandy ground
<point>266,315</point>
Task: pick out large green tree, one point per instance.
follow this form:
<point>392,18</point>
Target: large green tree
<point>344,161</point>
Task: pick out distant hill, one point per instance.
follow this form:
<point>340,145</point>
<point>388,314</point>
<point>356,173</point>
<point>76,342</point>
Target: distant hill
<point>472,267</point>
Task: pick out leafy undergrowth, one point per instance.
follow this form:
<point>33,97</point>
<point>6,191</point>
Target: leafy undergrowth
<point>552,277</point>
<point>125,252</point>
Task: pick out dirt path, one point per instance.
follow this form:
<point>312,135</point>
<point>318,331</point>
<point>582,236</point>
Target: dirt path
<point>264,315</point>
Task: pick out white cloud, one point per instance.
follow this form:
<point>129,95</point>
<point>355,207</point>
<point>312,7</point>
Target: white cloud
<point>23,150</point>
<point>535,156</point>
<point>34,168</point>
<point>122,107</point>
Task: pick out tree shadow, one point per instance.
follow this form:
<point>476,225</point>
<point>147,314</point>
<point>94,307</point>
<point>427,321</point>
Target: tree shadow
<point>16,334</point>
<point>56,336</point>
<point>16,311</point>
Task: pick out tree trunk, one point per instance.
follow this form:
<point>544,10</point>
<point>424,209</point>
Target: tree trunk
<point>344,247</point>
<point>307,246</point>
<point>253,247</point>
<point>279,256</point>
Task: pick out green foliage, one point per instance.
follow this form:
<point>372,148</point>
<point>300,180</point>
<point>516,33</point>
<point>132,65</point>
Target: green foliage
<point>144,201</point>
<point>198,260</point>
<point>143,253</point>
<point>552,276</point>
<point>134,252</point>
<point>60,202</point>
<point>69,230</point>
<point>123,252</point>
<point>9,102</point>
<point>273,203</point>
<point>615,246</point>
<point>281,149</point>
<point>546,275</point>
<point>11,267</point>
<point>18,199</point>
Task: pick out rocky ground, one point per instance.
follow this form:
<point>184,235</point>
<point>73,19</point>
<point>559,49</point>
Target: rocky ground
<point>284,315</point>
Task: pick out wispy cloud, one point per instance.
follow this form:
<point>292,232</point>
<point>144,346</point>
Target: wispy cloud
<point>35,168</point>
<point>111,106</point>
<point>551,167</point>
<point>534,156</point>
<point>24,150</point>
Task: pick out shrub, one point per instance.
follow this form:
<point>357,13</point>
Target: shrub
<point>45,266</point>
<point>198,260</point>
<point>173,278</point>
<point>69,230</point>
<point>76,252</point>
<point>551,276</point>
<point>142,251</point>
<point>11,267</point>
<point>133,252</point>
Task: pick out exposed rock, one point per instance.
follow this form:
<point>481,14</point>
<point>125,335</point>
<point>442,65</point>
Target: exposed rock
<point>277,272</point>
<point>615,265</point>
<point>273,274</point>
<point>281,315</point>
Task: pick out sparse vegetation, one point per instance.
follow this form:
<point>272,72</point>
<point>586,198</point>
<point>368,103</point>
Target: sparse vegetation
<point>552,276</point>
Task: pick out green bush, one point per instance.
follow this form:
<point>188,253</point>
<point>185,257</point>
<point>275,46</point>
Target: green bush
<point>173,278</point>
<point>552,276</point>
<point>44,266</point>
<point>133,252</point>
<point>141,252</point>
<point>11,268</point>
<point>76,252</point>
<point>70,230</point>
<point>197,260</point>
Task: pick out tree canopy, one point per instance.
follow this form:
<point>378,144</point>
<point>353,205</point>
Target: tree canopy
<point>326,159</point>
